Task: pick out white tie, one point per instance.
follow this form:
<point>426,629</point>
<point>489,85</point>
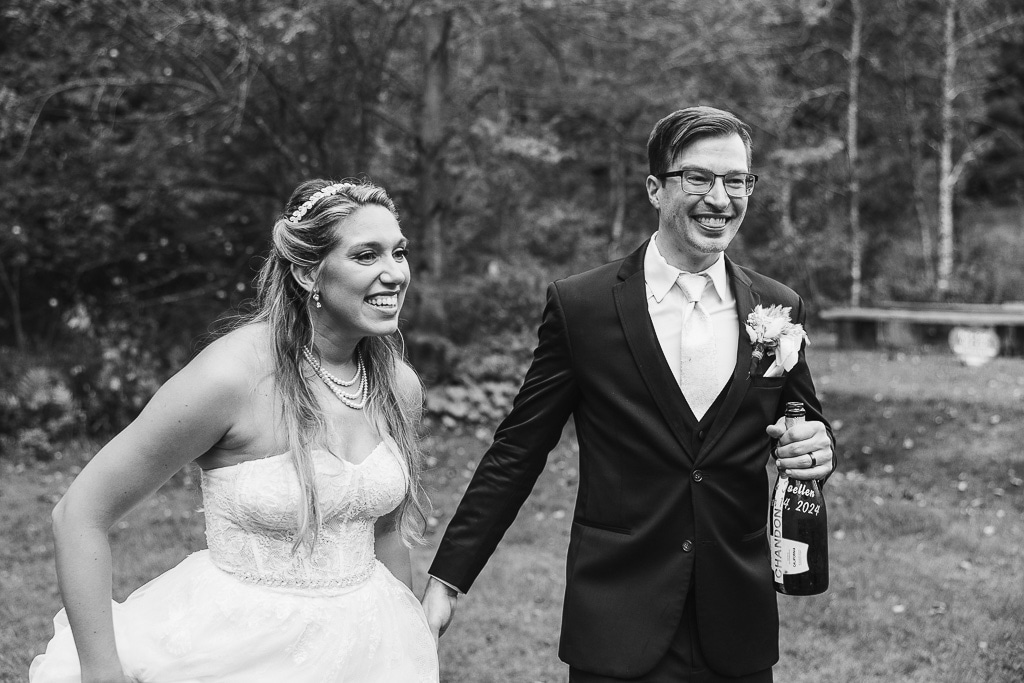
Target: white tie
<point>697,361</point>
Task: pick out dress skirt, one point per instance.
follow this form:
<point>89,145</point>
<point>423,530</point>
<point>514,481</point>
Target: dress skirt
<point>197,622</point>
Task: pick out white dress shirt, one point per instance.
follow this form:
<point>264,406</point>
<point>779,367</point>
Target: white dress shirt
<point>665,303</point>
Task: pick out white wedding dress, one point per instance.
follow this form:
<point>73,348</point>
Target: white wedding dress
<point>249,610</point>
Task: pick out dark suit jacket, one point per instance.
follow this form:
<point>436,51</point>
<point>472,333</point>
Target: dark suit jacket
<point>653,512</point>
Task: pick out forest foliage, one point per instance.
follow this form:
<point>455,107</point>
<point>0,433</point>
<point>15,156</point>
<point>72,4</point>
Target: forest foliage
<point>147,145</point>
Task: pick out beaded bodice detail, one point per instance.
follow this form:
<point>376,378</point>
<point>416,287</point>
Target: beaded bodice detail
<point>252,509</point>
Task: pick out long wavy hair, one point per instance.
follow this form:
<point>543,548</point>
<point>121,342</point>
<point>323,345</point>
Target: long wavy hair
<point>283,305</point>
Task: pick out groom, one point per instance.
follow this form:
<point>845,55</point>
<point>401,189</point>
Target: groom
<point>667,573</point>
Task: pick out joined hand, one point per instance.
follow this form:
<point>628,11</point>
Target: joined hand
<point>439,603</point>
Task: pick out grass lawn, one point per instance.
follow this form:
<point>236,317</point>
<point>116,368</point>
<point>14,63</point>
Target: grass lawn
<point>927,547</point>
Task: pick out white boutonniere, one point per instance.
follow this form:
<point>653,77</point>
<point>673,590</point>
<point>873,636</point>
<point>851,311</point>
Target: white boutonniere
<point>771,331</point>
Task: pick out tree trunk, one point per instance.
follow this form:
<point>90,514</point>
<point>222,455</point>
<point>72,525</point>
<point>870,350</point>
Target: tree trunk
<point>437,28</point>
<point>427,345</point>
<point>432,173</point>
<point>856,236</point>
<point>618,179</point>
<point>920,205</point>
<point>786,208</point>
<point>11,288</point>
<point>946,175</point>
<point>915,153</point>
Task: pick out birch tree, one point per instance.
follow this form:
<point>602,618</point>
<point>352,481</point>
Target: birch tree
<point>952,165</point>
<point>852,151</point>
<point>947,179</point>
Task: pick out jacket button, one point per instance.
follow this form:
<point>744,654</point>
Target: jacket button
<point>687,545</point>
<point>697,475</point>
<point>701,435</point>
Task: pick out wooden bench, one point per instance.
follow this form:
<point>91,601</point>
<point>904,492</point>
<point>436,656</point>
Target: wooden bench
<point>908,325</point>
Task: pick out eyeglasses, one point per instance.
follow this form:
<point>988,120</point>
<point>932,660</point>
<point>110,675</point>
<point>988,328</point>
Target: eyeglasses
<point>699,181</point>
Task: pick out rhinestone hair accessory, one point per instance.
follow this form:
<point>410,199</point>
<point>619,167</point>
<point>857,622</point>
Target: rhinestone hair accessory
<point>317,196</point>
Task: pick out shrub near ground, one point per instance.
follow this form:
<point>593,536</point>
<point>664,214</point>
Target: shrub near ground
<point>927,545</point>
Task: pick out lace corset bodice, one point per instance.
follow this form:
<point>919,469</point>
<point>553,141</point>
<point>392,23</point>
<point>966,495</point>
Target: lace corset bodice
<point>252,508</point>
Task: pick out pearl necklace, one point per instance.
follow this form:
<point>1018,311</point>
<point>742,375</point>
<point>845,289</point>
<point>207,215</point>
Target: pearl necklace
<point>320,370</point>
<point>355,400</point>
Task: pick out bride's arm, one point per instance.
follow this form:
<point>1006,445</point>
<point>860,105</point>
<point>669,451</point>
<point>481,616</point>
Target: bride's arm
<point>388,544</point>
<point>183,420</point>
<point>391,551</point>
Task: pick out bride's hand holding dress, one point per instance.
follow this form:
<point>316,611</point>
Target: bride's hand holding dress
<point>184,419</point>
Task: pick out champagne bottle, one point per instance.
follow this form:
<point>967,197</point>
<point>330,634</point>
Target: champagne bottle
<point>799,530</point>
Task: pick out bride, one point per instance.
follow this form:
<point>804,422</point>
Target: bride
<point>302,422</point>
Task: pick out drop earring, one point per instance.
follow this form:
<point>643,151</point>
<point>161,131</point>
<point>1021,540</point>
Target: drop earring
<point>316,298</point>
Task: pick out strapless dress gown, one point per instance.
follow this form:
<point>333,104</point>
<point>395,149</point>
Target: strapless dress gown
<point>248,610</point>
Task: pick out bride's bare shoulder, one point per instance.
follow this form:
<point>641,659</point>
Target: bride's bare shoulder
<point>237,359</point>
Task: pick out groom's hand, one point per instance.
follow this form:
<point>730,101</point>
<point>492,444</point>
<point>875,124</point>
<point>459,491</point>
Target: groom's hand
<point>439,602</point>
<point>804,451</point>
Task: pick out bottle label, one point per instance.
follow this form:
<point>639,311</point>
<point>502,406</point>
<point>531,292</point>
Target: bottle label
<point>776,531</point>
<point>794,557</point>
<point>788,556</point>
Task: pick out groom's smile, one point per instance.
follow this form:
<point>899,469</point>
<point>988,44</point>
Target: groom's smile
<point>713,222</point>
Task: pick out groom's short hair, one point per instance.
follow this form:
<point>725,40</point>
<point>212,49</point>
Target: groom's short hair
<point>677,130</point>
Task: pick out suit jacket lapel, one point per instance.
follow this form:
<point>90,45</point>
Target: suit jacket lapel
<point>631,304</point>
<point>746,299</point>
